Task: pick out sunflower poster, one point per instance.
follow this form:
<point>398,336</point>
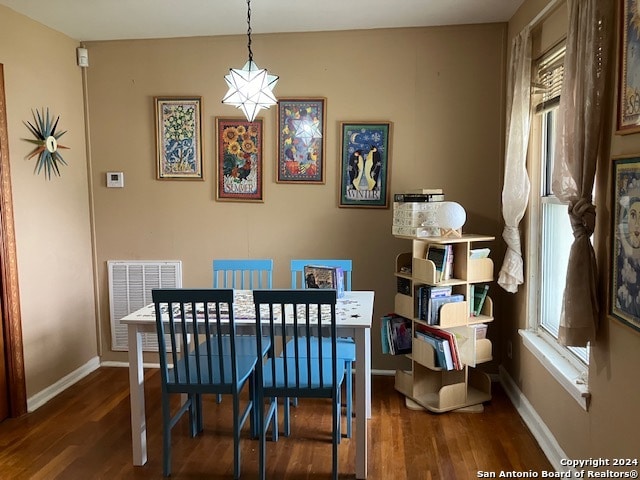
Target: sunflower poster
<point>239,149</point>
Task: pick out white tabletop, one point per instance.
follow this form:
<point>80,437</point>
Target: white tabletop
<point>355,309</point>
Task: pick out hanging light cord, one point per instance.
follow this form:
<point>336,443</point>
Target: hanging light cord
<point>249,29</point>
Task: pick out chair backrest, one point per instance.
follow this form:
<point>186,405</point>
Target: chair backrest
<point>245,274</point>
<point>310,316</point>
<point>297,270</point>
<point>195,364</point>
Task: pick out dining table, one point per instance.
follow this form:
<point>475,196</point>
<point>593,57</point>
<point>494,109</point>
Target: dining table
<point>354,314</point>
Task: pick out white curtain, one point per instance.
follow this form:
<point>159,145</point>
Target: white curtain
<point>515,192</point>
<point>583,112</point>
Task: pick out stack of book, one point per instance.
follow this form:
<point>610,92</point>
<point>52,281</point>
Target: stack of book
<point>445,346</point>
<point>414,213</point>
<point>396,334</point>
<point>430,299</point>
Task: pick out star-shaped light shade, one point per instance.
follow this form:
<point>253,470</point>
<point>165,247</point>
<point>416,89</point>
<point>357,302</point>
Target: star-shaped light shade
<point>306,130</point>
<point>250,89</point>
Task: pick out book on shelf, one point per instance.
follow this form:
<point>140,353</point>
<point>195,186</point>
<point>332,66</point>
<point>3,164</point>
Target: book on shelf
<point>427,190</point>
<point>480,330</point>
<point>425,293</point>
<point>476,253</point>
<point>320,276</point>
<point>398,332</point>
<point>479,295</point>
<point>451,342</point>
<point>441,350</point>
<point>435,305</point>
<point>384,334</point>
<point>438,254</point>
<point>418,197</point>
<point>447,274</point>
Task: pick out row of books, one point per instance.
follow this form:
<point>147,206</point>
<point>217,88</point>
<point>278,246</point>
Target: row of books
<point>478,293</point>
<point>397,339</point>
<point>445,346</point>
<point>442,258</point>
<point>396,334</point>
<point>430,299</point>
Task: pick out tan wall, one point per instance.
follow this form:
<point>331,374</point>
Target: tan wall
<point>52,225</point>
<point>441,87</point>
<point>609,429</point>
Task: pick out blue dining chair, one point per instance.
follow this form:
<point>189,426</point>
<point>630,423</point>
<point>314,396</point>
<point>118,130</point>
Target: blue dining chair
<point>195,368</point>
<point>243,274</point>
<point>310,317</point>
<point>346,345</point>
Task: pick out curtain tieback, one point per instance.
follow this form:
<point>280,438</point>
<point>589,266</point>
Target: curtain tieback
<point>511,235</point>
<point>582,214</point>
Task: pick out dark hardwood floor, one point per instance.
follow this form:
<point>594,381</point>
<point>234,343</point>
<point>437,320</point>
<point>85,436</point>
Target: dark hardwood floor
<point>84,433</point>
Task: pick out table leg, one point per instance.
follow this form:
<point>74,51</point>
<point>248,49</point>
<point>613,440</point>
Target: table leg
<point>136,394</point>
<point>363,402</point>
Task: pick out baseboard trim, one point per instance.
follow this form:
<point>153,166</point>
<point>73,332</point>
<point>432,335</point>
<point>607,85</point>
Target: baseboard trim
<point>384,373</point>
<point>539,430</point>
<point>126,364</point>
<point>36,401</point>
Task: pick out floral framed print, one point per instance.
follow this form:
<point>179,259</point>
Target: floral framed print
<point>625,250</point>
<point>301,140</point>
<point>365,164</point>
<point>628,117</point>
<point>178,138</point>
<point>239,154</point>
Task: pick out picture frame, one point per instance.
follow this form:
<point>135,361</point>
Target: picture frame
<point>624,291</point>
<point>628,109</point>
<point>301,140</point>
<point>365,164</point>
<point>178,138</point>
<point>239,155</point>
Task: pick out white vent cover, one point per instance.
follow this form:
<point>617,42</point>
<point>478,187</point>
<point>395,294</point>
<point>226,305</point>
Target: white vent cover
<point>130,285</point>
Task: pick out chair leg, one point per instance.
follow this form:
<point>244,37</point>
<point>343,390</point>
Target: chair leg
<point>262,439</point>
<point>199,413</point>
<point>336,435</point>
<point>236,437</point>
<point>287,417</point>
<point>274,416</point>
<point>349,387</point>
<point>218,398</point>
<point>166,436</point>
<point>253,420</point>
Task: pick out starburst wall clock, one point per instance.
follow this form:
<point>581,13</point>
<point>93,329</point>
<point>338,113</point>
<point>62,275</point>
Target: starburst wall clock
<point>47,149</point>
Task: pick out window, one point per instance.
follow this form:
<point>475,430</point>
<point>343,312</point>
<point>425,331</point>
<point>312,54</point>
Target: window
<point>550,237</point>
<point>556,237</point>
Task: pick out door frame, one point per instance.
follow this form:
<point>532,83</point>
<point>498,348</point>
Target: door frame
<point>11,320</point>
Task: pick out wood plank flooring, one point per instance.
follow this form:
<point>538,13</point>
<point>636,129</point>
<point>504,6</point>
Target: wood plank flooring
<point>84,433</point>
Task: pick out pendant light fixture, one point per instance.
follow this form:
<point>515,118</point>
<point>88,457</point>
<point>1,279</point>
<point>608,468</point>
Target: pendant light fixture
<point>250,87</point>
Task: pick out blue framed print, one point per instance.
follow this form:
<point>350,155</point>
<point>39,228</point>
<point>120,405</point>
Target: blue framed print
<point>365,164</point>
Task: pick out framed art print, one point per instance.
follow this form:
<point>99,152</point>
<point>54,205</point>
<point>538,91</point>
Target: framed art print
<point>365,164</point>
<point>625,235</point>
<point>239,155</point>
<point>628,117</point>
<point>178,138</point>
<point>301,140</point>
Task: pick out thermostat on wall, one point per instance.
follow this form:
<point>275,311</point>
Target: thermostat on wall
<point>115,179</point>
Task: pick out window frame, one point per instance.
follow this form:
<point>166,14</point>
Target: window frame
<point>564,365</point>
